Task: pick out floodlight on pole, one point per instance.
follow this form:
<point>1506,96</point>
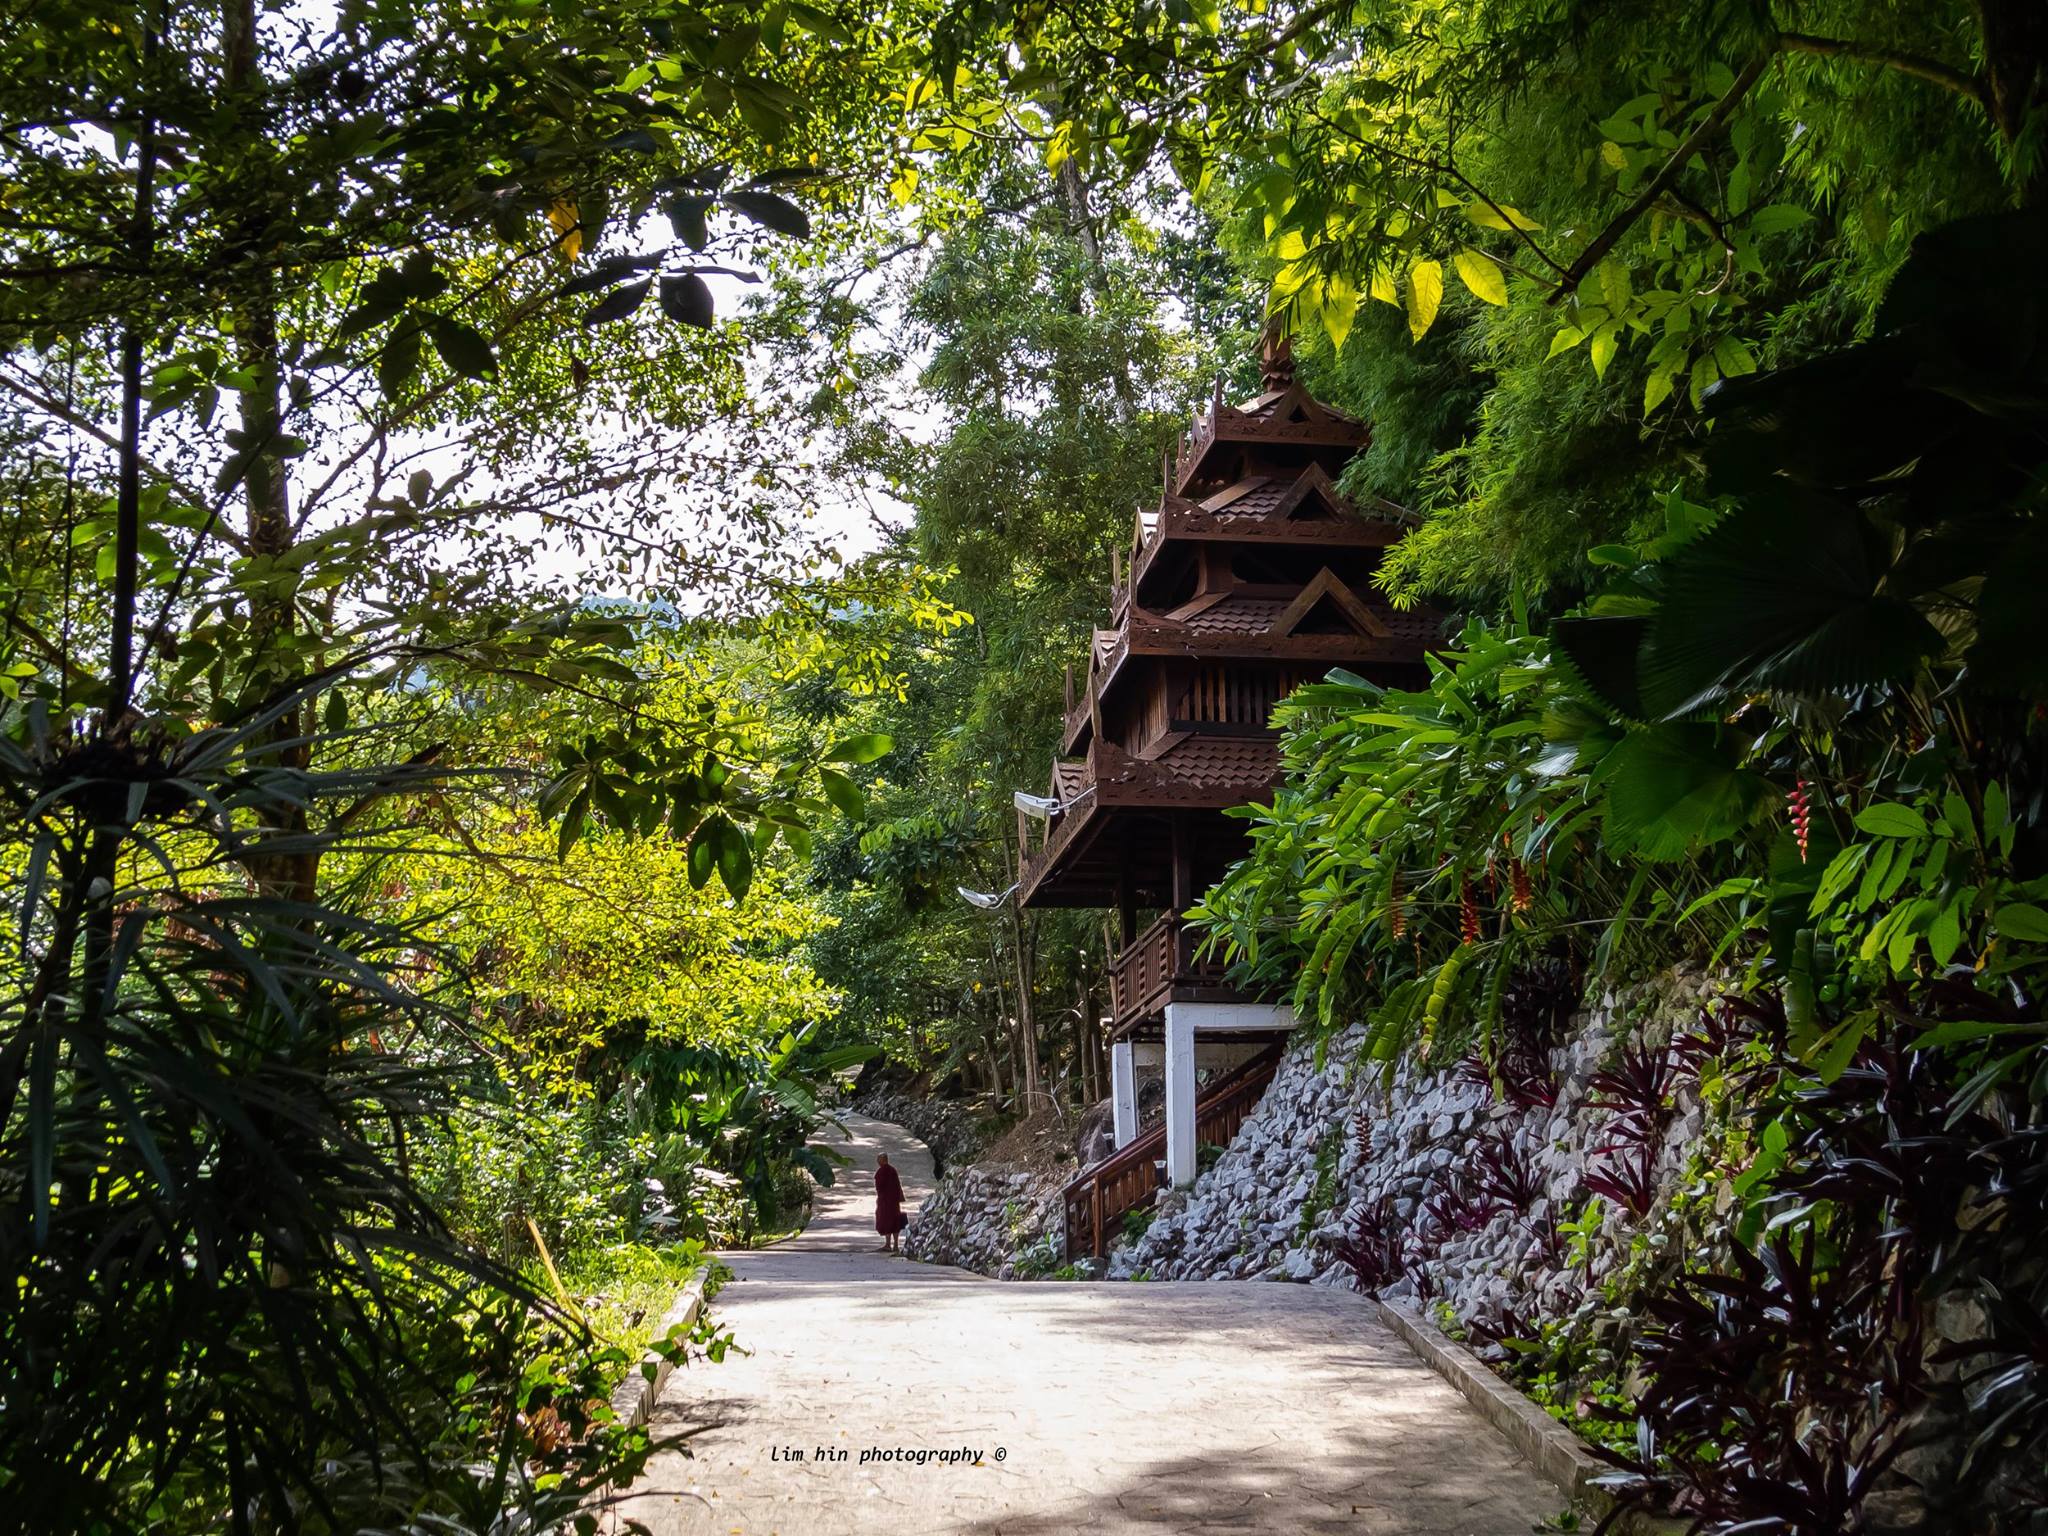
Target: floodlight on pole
<point>988,901</point>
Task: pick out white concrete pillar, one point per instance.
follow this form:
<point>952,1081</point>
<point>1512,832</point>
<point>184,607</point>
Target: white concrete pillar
<point>1123,1092</point>
<point>1180,1096</point>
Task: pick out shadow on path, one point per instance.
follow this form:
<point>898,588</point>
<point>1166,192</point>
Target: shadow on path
<point>1046,1407</point>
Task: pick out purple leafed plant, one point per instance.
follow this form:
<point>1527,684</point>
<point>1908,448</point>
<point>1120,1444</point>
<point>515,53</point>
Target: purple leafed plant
<point>1776,1394</point>
<point>1626,1173</point>
<point>1519,1078</point>
<point>1550,1245</point>
<point>1536,1005</point>
<point>1423,1278</point>
<point>1505,1173</point>
<point>1372,1249</point>
<point>1720,1033</point>
<point>1454,1208</point>
<point>1637,1091</point>
<point>1511,1324</point>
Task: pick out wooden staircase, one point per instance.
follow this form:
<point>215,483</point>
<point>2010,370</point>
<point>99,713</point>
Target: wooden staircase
<point>1101,1195</point>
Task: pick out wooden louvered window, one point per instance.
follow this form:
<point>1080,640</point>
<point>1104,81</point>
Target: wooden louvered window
<point>1225,695</point>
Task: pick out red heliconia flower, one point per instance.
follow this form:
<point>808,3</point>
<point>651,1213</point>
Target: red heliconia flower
<point>1518,886</point>
<point>1468,912</point>
<point>1802,816</point>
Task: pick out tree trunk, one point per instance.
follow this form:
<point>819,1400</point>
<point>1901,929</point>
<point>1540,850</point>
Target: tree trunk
<point>266,487</point>
<point>2016,80</point>
<point>1081,221</point>
<point>1084,1053</point>
<point>992,1065</point>
<point>1027,1018</point>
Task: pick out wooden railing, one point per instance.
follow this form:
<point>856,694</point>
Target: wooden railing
<point>1143,969</point>
<point>1100,1196</point>
<point>1144,973</point>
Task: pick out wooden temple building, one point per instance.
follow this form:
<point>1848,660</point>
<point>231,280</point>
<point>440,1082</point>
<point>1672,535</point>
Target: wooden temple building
<point>1252,576</point>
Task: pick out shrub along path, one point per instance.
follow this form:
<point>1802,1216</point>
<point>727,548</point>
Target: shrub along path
<point>1051,1407</point>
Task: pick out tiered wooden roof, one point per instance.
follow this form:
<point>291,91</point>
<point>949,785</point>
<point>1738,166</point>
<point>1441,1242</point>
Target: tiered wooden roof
<point>1252,575</point>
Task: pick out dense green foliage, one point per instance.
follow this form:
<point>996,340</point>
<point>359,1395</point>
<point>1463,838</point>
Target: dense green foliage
<point>305,395</point>
<point>1798,733</point>
<point>1588,211</point>
<point>1037,342</point>
<point>416,925</point>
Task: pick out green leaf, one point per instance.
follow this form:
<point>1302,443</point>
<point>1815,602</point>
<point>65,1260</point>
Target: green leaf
<point>1425,294</point>
<point>1615,291</point>
<point>1602,350</point>
<point>465,350</point>
<point>1830,1056</point>
<point>1673,788</point>
<point>1482,275</point>
<point>1498,216</point>
<point>2022,921</point>
<point>1783,593</point>
<point>619,303</point>
<point>703,853</point>
<point>1878,864</point>
<point>607,274</point>
<point>1945,935</point>
<point>1704,373</point>
<point>421,278</point>
<point>1888,818</point>
<point>687,216</point>
<point>843,793</point>
<point>572,824</point>
<point>1340,309</point>
<point>860,749</point>
<point>686,299</point>
<point>1777,218</point>
<point>771,211</point>
<point>399,360</point>
<point>1905,935</point>
<point>735,857</point>
<point>1733,358</point>
<point>1603,653</point>
<point>382,297</point>
<point>1566,338</point>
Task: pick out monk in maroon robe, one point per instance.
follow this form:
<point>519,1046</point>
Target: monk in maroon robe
<point>889,1217</point>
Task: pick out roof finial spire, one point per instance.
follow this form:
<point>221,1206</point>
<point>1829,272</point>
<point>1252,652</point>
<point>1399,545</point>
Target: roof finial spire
<point>1276,356</point>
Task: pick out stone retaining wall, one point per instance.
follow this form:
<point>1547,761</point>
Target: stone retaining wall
<point>947,1129</point>
<point>1335,1155</point>
<point>1415,1168</point>
<point>993,1219</point>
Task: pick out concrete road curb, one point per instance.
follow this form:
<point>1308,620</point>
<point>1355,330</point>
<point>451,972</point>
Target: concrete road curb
<point>635,1397</point>
<point>1552,1449</point>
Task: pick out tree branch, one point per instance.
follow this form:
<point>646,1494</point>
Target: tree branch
<point>1921,68</point>
<point>1654,188</point>
<point>57,410</point>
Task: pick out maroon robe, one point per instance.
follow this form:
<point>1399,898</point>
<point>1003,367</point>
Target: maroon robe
<point>889,1217</point>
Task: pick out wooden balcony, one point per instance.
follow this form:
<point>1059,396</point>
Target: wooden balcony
<point>1161,967</point>
<point>1101,1195</point>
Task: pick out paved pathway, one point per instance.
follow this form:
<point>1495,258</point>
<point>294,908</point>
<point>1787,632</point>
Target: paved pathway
<point>1080,1408</point>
